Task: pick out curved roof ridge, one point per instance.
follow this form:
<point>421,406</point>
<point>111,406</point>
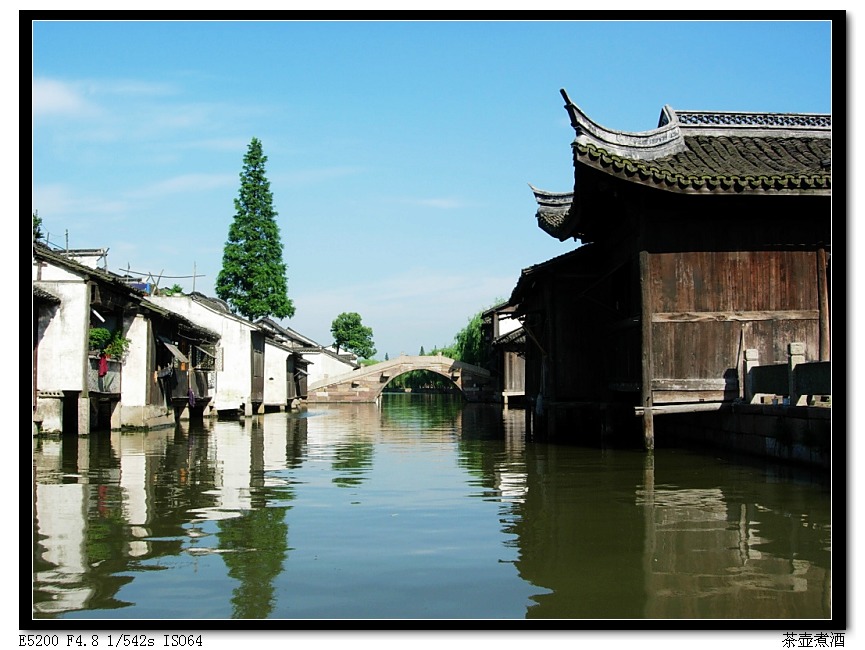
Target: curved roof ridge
<point>673,126</point>
<point>665,140</point>
<point>546,197</point>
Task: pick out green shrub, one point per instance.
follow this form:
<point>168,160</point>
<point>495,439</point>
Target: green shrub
<point>113,344</point>
<point>99,338</point>
<point>117,346</point>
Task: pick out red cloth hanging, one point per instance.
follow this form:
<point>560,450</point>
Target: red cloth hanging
<point>103,364</point>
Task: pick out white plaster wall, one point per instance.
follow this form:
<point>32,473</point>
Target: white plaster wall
<point>322,366</point>
<point>134,409</point>
<point>51,273</point>
<point>508,325</point>
<point>275,389</point>
<point>135,364</point>
<point>49,411</point>
<point>234,382</point>
<point>64,343</point>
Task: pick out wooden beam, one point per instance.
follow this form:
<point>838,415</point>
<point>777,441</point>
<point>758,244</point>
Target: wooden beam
<point>687,396</point>
<point>697,407</point>
<point>695,384</point>
<point>743,316</point>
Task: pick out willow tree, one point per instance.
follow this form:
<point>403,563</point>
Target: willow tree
<point>252,280</point>
<point>469,343</point>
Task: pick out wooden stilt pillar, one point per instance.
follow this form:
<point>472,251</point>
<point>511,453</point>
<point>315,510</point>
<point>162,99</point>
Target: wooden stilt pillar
<point>646,344</point>
<point>823,304</point>
<point>648,429</point>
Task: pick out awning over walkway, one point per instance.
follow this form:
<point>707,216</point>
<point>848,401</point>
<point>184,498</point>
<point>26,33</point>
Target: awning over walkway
<point>174,350</point>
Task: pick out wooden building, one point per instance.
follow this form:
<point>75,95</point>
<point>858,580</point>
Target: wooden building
<point>505,338</point>
<point>701,239</point>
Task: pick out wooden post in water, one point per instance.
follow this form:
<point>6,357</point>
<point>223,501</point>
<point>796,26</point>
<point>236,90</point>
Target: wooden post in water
<point>823,298</point>
<point>646,343</point>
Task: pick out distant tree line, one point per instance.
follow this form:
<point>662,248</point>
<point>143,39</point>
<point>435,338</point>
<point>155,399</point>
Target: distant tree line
<point>422,380</point>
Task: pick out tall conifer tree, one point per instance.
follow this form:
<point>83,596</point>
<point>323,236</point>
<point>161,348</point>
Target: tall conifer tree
<point>252,280</point>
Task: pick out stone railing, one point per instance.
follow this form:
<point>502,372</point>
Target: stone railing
<point>108,383</point>
<point>791,383</point>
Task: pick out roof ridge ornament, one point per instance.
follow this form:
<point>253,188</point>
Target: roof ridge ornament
<point>744,119</point>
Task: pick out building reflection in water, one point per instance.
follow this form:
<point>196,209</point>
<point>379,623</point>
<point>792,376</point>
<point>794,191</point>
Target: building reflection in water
<point>698,549</point>
<point>109,505</point>
<point>592,533</point>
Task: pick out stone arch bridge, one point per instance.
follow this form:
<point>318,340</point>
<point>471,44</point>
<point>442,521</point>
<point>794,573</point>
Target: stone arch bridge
<point>367,383</point>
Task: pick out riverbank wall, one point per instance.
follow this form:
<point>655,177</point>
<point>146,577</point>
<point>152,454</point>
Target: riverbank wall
<point>794,434</point>
<point>801,435</point>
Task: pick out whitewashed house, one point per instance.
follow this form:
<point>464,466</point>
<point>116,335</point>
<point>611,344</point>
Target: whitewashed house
<point>238,383</point>
<point>77,388</point>
<point>321,362</point>
<point>284,375</point>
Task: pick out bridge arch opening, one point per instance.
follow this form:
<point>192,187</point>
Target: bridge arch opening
<point>366,384</point>
<point>422,381</point>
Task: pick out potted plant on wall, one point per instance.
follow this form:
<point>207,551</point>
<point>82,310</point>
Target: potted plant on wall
<point>112,344</point>
<point>99,338</point>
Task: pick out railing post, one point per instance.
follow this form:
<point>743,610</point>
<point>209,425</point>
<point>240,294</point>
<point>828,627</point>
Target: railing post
<point>752,359</point>
<point>795,356</point>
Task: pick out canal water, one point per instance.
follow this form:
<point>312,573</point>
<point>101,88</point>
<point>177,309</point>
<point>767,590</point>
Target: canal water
<point>420,507</point>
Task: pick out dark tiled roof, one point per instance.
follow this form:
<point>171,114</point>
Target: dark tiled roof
<point>516,336</point>
<point>585,256</point>
<point>183,324</point>
<point>43,253</point>
<point>286,332</point>
<point>726,164</point>
<point>41,295</point>
<point>553,208</point>
<point>216,304</point>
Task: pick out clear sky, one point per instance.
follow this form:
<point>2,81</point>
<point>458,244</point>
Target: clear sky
<point>399,153</point>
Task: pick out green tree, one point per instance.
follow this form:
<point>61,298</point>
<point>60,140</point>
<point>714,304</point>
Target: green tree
<point>421,353</point>
<point>469,344</point>
<point>252,280</point>
<point>349,333</point>
<point>37,226</point>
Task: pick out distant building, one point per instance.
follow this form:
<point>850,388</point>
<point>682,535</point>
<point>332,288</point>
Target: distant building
<point>320,362</point>
<point>505,337</point>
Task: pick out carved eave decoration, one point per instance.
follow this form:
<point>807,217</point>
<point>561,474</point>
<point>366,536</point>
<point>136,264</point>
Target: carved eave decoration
<point>553,211</point>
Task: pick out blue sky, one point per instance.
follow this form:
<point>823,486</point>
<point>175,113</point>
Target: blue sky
<point>399,153</point>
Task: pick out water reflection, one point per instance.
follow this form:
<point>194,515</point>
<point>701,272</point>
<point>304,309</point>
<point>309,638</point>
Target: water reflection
<point>415,508</point>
